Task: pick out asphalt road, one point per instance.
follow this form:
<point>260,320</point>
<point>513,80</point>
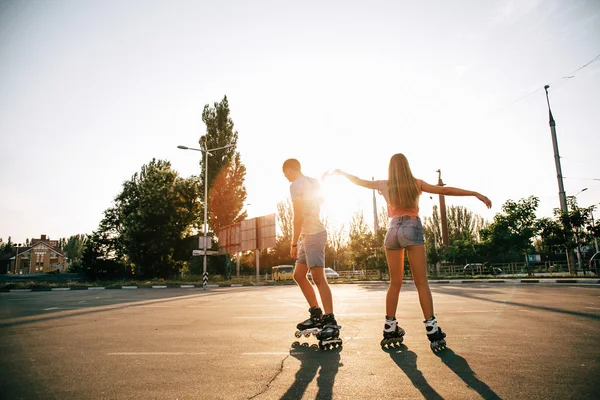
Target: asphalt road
<point>510,341</point>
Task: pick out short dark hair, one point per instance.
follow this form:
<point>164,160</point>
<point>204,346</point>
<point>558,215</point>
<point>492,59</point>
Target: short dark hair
<point>292,164</point>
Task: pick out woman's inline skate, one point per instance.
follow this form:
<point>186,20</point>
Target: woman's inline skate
<point>435,334</point>
<point>393,335</point>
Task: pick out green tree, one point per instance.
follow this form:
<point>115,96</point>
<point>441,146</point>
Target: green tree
<point>512,231</point>
<point>73,246</point>
<point>360,243</point>
<point>226,173</point>
<point>152,216</point>
<point>98,258</point>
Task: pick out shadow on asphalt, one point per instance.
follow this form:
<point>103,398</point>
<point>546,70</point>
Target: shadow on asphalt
<point>411,287</point>
<point>57,314</point>
<point>327,363</point>
<point>407,361</point>
<point>461,368</point>
<point>462,293</point>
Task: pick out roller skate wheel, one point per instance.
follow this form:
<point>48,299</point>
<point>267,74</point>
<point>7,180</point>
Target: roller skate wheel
<point>298,334</point>
<point>307,335</point>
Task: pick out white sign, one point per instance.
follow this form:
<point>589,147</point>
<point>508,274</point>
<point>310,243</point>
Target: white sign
<point>208,252</point>
<point>202,240</point>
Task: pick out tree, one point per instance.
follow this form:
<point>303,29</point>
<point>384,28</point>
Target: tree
<point>97,258</point>
<point>228,195</point>
<point>73,246</point>
<point>513,230</point>
<point>360,243</point>
<point>226,173</point>
<point>151,217</point>
<point>579,230</point>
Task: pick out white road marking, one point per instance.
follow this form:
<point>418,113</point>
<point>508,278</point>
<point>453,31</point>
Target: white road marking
<point>51,308</point>
<point>593,308</point>
<point>289,303</point>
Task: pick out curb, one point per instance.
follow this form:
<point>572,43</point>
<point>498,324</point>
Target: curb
<point>437,281</point>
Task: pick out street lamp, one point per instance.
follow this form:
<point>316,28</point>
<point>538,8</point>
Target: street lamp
<point>207,152</point>
<point>17,245</point>
<point>581,191</point>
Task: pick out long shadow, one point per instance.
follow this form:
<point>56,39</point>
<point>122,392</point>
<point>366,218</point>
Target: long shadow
<point>458,292</point>
<point>311,359</point>
<point>461,368</point>
<point>30,319</point>
<point>407,361</point>
<point>434,286</point>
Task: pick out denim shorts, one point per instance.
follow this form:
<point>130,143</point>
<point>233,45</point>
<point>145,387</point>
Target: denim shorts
<point>311,250</point>
<point>404,232</point>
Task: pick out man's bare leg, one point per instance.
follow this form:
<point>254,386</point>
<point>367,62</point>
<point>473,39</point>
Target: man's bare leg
<point>319,278</point>
<point>305,286</point>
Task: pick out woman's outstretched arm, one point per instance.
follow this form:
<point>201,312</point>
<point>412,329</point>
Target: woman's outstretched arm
<point>452,191</point>
<point>356,180</point>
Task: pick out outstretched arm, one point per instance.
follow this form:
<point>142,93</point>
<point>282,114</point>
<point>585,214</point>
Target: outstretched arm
<point>452,191</point>
<point>356,180</point>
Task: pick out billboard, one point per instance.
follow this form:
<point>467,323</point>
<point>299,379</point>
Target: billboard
<point>251,234</point>
<point>266,231</point>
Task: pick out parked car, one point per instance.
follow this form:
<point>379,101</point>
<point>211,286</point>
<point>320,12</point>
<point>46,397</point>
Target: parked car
<point>329,274</point>
<point>283,272</point>
<point>595,263</point>
<point>481,269</point>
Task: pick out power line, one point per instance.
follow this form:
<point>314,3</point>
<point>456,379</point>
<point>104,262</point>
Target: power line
<point>556,82</point>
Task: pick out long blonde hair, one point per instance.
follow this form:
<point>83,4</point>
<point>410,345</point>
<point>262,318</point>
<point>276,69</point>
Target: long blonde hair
<point>403,189</point>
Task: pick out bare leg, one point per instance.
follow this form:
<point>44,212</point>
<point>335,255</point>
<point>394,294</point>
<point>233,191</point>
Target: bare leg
<point>395,260</point>
<point>418,266</point>
<point>318,276</point>
<point>307,289</point>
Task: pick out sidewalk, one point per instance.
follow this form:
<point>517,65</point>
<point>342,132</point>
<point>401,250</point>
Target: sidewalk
<point>577,281</point>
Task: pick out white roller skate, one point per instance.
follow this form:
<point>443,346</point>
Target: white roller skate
<point>393,335</point>
<point>435,334</point>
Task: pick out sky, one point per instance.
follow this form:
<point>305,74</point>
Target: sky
<point>92,90</point>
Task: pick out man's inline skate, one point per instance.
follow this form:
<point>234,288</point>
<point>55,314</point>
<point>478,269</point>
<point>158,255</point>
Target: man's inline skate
<point>311,326</point>
<point>393,335</point>
<point>435,334</point>
<point>329,336</point>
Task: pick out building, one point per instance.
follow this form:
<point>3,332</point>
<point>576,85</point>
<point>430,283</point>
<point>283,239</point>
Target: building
<point>42,256</point>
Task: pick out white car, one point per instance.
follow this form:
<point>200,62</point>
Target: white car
<point>329,274</point>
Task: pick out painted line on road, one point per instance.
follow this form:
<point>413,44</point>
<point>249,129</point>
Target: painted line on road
<point>129,287</point>
<point>186,286</point>
<point>288,302</point>
<point>593,308</point>
<point>159,286</point>
<point>51,308</point>
<point>56,289</point>
<point>20,290</point>
<point>96,288</point>
<point>163,353</point>
<point>236,285</point>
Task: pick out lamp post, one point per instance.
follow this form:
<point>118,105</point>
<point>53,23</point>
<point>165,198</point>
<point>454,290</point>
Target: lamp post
<point>594,224</point>
<point>207,152</point>
<point>17,245</point>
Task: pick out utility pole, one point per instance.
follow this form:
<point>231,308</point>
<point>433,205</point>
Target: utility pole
<point>444,219</point>
<point>561,189</point>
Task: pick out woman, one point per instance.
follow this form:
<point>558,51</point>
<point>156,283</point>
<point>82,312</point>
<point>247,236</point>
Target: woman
<point>401,192</point>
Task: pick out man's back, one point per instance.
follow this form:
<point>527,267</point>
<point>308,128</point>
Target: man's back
<point>308,191</point>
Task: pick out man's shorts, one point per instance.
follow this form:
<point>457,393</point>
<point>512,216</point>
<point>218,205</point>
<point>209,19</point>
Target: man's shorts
<point>404,231</point>
<point>311,250</point>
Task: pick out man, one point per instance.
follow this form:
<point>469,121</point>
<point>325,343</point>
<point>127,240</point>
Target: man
<point>308,248</point>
